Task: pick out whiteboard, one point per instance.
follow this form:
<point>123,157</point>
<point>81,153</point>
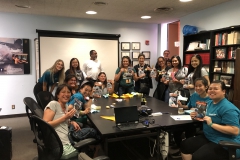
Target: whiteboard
<point>53,48</point>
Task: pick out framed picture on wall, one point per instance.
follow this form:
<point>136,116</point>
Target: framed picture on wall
<point>220,53</point>
<point>134,63</point>
<point>135,55</point>
<point>147,62</point>
<point>135,45</point>
<point>125,54</point>
<point>147,54</point>
<point>125,46</point>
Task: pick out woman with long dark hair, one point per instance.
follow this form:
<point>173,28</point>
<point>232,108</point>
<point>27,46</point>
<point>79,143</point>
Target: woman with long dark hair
<point>74,68</point>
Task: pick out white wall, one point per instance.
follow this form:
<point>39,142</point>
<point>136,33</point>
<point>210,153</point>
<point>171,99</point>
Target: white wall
<point>220,16</point>
<point>13,88</point>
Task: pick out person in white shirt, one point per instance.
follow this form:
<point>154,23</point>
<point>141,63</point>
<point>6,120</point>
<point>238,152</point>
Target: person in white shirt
<point>92,67</point>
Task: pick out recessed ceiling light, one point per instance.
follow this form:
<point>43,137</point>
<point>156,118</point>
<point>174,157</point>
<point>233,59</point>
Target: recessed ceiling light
<point>146,17</point>
<point>22,6</point>
<point>91,12</point>
<point>185,0</point>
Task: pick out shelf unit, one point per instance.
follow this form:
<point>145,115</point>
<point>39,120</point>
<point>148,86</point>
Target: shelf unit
<point>220,56</point>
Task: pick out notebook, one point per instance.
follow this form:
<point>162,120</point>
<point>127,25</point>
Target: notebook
<point>126,118</point>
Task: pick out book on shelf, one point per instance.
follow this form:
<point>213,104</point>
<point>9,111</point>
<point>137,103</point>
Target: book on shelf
<point>192,46</point>
<point>232,52</point>
<point>219,39</point>
<point>224,67</point>
<point>217,69</point>
<point>227,80</point>
<point>236,37</point>
<point>216,77</point>
<point>230,38</point>
<point>207,44</point>
<point>216,39</point>
<point>224,38</point>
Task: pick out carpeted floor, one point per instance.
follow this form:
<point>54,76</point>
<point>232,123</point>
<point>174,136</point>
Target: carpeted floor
<point>23,147</point>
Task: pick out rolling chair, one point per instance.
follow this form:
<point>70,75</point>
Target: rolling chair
<point>232,146</point>
<point>50,146</point>
<point>43,98</point>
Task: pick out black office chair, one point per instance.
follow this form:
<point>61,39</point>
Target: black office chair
<point>50,146</point>
<point>43,98</point>
<point>232,146</point>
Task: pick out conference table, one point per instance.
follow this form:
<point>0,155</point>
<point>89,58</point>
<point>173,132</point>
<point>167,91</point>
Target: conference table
<point>109,131</point>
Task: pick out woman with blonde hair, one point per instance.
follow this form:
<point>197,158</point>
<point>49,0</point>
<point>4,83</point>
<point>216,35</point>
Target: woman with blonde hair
<point>51,77</point>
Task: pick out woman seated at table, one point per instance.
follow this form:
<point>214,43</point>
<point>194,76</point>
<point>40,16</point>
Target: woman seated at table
<point>200,97</point>
<point>125,76</point>
<point>103,83</point>
<point>71,81</point>
<point>78,101</point>
<point>57,115</point>
<point>220,123</point>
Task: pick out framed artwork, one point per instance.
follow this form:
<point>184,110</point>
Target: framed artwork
<point>147,62</point>
<point>14,56</point>
<point>135,55</point>
<point>135,45</point>
<point>227,80</point>
<point>147,54</point>
<point>125,46</point>
<point>134,63</point>
<point>220,53</point>
<point>125,54</point>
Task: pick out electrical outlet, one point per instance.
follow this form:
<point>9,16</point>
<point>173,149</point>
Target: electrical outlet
<point>13,106</point>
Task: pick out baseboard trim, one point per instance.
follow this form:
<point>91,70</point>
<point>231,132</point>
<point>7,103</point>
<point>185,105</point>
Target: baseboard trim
<point>14,115</point>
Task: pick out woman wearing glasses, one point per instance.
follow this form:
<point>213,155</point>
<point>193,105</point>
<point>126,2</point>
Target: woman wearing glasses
<point>106,86</point>
<point>143,81</point>
<point>162,70</point>
<point>125,74</point>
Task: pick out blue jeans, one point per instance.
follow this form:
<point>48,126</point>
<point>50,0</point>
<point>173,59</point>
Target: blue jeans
<point>124,90</point>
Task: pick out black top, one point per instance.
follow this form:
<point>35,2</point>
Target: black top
<point>147,79</point>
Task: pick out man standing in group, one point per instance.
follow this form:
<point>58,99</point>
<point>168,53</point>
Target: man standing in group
<point>166,54</point>
<point>92,67</point>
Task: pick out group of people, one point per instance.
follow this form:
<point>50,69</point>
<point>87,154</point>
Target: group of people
<point>220,123</point>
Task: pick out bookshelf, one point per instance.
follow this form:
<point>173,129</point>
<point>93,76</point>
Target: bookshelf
<point>236,91</point>
<point>223,57</point>
<point>220,55</point>
<point>203,38</point>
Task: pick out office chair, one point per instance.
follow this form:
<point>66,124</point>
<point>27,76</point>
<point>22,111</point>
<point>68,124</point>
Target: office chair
<point>43,98</point>
<point>232,146</point>
<point>50,146</point>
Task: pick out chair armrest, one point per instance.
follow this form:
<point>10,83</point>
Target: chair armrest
<point>101,158</point>
<point>229,144</point>
<point>84,143</point>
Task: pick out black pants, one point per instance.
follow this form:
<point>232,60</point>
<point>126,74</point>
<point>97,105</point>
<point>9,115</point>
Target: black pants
<point>203,149</point>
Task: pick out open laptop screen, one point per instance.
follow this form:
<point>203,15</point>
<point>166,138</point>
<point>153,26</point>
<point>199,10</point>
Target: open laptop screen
<point>126,114</point>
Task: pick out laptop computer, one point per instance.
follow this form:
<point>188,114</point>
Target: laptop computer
<point>126,118</point>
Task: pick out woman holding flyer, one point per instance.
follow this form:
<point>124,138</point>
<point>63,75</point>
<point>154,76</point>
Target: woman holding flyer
<point>220,123</point>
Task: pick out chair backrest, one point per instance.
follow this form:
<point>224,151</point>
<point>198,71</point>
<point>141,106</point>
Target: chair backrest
<point>49,146</point>
<point>32,105</point>
<point>44,97</point>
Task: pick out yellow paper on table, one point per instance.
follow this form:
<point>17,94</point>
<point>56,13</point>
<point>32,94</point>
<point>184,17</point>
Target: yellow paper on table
<point>115,95</point>
<point>127,95</point>
<point>112,118</point>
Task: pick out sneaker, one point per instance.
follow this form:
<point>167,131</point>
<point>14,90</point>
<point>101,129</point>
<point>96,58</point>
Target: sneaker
<point>176,155</point>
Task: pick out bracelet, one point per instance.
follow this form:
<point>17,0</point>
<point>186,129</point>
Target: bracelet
<point>210,124</point>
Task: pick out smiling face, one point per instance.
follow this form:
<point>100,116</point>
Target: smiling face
<point>94,55</point>
<point>64,95</point>
<point>195,62</point>
<point>175,62</point>
<point>215,92</point>
<point>102,77</point>
<point>141,60</point>
<point>125,62</point>
<point>72,82</point>
<point>161,62</point>
<point>74,63</point>
<point>86,90</point>
<point>200,88</point>
<point>59,66</point>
